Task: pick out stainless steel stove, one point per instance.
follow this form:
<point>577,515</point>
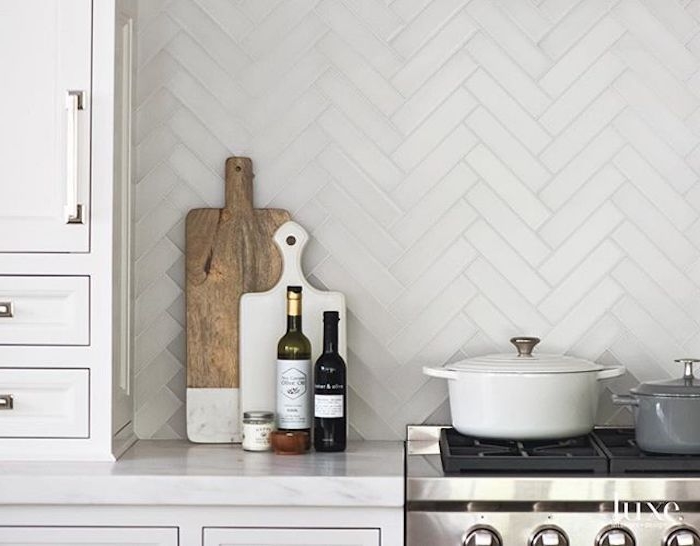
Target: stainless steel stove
<point>635,500</point>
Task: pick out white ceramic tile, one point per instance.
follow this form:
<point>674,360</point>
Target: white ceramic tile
<point>508,111</point>
<point>440,272</point>
<point>431,132</point>
<point>572,102</point>
<point>434,167</point>
<point>355,106</point>
<point>523,164</point>
<point>581,168</point>
<point>467,170</point>
<point>357,35</point>
<point>526,53</point>
<point>655,188</point>
<point>367,80</point>
<point>414,261</point>
<point>419,30</point>
<point>658,153</point>
<point>440,86</point>
<point>577,60</point>
<point>676,94</point>
<point>656,226</point>
<point>360,149</point>
<point>581,205</point>
<point>573,26</point>
<point>659,116</point>
<point>508,73</point>
<point>505,297</point>
<point>508,186</point>
<point>358,185</point>
<point>587,237</point>
<point>656,37</point>
<point>421,66</point>
<point>507,260</point>
<point>504,220</point>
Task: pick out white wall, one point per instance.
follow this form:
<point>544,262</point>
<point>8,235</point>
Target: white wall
<point>469,171</point>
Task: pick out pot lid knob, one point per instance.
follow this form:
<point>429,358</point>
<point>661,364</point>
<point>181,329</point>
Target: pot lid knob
<point>525,345</point>
<point>687,367</point>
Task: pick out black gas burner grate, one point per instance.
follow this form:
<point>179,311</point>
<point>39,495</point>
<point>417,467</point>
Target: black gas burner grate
<point>626,458</point>
<point>605,451</point>
<point>469,455</point>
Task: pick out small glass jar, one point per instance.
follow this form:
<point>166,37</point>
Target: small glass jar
<point>257,428</point>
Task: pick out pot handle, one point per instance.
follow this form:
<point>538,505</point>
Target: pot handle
<point>624,400</point>
<point>609,373</point>
<point>442,373</point>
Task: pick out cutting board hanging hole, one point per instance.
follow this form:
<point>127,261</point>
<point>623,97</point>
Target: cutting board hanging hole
<point>291,240</point>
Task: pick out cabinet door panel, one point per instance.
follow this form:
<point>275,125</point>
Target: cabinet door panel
<point>45,51</point>
<point>290,537</point>
<point>88,536</point>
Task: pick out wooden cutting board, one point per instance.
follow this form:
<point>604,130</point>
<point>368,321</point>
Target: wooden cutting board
<point>263,320</point>
<point>229,251</point>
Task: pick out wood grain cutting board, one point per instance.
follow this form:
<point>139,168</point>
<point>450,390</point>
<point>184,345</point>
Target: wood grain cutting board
<point>229,251</point>
<point>263,320</point>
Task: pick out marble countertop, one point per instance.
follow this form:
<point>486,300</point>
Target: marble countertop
<point>163,472</point>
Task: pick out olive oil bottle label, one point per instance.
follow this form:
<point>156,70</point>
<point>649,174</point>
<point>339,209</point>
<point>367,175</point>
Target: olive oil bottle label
<point>328,406</point>
<point>293,394</point>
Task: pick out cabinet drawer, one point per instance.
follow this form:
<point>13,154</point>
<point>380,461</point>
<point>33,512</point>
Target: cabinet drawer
<point>290,537</point>
<point>49,310</point>
<point>44,403</point>
<point>89,536</point>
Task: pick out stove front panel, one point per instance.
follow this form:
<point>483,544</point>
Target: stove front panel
<point>518,528</point>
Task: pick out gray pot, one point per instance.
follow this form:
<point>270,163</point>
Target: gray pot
<point>666,413</point>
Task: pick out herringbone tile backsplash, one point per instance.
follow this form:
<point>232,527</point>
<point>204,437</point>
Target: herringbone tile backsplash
<point>469,171</point>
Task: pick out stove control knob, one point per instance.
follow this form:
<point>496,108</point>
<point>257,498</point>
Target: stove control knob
<point>482,536</point>
<point>549,536</point>
<point>616,537</point>
<point>683,537</point>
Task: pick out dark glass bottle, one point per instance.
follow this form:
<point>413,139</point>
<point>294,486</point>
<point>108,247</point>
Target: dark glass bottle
<point>294,379</point>
<point>330,391</point>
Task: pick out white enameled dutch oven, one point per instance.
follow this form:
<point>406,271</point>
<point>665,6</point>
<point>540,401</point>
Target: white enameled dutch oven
<point>525,396</point>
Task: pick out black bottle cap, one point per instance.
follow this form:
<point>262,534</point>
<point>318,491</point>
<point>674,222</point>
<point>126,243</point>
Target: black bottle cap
<point>331,315</point>
<point>295,289</point>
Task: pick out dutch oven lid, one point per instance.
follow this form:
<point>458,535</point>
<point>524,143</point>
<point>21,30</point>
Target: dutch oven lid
<point>524,361</point>
<point>687,386</point>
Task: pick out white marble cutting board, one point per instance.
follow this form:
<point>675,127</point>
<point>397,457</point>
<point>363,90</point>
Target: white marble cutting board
<point>263,320</point>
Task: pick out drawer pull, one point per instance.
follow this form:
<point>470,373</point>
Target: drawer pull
<point>75,101</point>
<point>6,309</point>
<point>7,401</point>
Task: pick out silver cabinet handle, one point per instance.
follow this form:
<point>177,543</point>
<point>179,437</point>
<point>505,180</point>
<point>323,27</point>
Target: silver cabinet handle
<point>7,401</point>
<point>75,100</point>
<point>6,309</point>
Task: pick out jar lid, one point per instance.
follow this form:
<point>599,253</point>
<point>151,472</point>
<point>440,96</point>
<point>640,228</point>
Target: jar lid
<point>259,415</point>
<point>525,362</point>
<point>684,387</point>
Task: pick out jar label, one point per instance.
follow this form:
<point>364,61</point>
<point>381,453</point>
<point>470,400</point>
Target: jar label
<point>293,382</point>
<point>328,405</point>
<point>256,436</point>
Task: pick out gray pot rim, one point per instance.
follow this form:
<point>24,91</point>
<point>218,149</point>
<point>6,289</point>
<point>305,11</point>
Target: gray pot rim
<point>664,395</point>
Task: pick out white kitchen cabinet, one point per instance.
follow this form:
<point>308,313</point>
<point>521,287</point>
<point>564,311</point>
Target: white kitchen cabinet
<point>87,536</point>
<point>65,151</point>
<point>44,310</point>
<point>45,108</point>
<point>291,536</point>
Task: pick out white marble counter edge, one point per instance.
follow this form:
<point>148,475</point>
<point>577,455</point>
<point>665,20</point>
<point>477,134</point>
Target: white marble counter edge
<point>369,475</point>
